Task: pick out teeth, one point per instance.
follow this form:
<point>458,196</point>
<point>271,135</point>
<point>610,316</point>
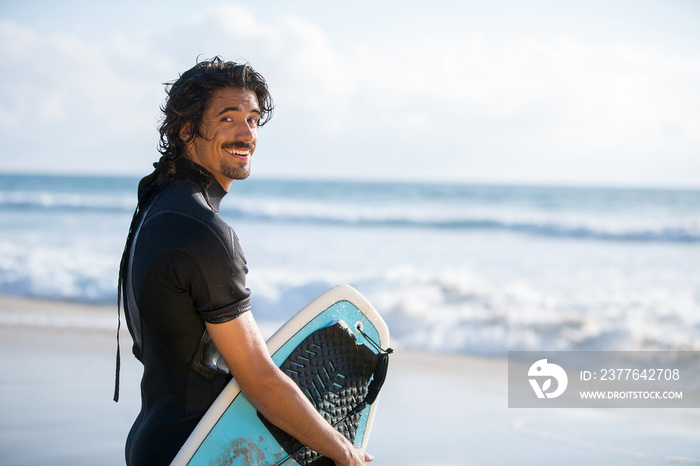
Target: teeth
<point>237,152</point>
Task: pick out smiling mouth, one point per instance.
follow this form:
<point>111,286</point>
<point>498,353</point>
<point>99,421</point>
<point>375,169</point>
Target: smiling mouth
<point>238,152</point>
<point>238,149</point>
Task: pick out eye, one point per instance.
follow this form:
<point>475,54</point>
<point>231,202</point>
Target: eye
<point>253,121</point>
<point>226,119</point>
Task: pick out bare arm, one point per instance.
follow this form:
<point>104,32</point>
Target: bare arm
<point>274,394</point>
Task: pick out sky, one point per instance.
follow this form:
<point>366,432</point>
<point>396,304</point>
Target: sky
<point>516,92</point>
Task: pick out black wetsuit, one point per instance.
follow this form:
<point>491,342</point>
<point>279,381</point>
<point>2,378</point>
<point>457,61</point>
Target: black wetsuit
<point>185,268</point>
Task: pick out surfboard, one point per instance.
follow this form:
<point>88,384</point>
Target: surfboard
<point>336,350</point>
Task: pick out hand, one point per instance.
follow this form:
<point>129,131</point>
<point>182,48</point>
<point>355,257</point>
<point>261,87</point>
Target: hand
<point>358,457</point>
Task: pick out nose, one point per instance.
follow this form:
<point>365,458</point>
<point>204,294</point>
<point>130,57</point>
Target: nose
<point>245,132</point>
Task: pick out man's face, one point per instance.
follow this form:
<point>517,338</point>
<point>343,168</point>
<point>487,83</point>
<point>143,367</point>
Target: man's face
<point>229,134</point>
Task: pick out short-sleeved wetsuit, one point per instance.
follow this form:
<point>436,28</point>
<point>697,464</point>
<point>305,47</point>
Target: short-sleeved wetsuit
<point>185,268</point>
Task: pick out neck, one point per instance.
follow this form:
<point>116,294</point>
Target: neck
<point>224,181</point>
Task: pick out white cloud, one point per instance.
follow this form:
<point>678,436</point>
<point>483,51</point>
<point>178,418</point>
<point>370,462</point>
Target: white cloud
<point>129,49</point>
<point>54,107</point>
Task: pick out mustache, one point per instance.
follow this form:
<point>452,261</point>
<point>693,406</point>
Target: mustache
<point>238,145</point>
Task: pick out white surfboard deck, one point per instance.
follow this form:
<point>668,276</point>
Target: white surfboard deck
<point>231,423</point>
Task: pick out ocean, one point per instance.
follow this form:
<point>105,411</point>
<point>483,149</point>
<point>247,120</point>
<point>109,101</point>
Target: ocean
<point>479,269</point>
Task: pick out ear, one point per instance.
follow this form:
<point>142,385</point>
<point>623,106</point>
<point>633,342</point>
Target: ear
<point>186,132</point>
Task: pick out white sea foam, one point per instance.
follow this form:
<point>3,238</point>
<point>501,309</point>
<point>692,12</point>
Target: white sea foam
<point>458,311</point>
<point>74,271</point>
<point>65,200</point>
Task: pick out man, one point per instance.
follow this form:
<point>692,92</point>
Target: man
<point>183,275</point>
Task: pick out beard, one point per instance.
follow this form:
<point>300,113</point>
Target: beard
<point>235,172</point>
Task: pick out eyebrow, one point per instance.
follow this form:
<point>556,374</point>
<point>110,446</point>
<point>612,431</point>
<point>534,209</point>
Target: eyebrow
<point>236,109</point>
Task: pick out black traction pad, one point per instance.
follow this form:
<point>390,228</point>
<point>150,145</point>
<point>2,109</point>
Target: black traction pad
<point>333,370</point>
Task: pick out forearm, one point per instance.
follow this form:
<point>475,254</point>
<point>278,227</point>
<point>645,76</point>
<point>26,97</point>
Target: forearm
<point>282,403</point>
